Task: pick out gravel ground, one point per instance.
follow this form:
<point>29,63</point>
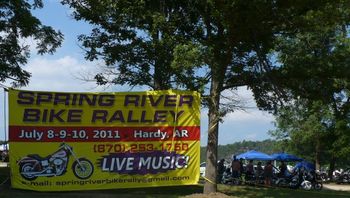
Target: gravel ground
<point>3,164</point>
<point>341,187</point>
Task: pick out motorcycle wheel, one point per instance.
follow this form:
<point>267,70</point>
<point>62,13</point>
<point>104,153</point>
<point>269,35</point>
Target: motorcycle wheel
<point>318,186</point>
<point>83,170</point>
<point>306,185</point>
<point>25,170</point>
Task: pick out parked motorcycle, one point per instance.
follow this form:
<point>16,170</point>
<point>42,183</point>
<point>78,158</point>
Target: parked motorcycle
<point>323,176</point>
<point>310,180</point>
<point>316,180</point>
<point>33,165</point>
<point>342,177</point>
<point>303,179</point>
<point>227,178</point>
<point>291,181</point>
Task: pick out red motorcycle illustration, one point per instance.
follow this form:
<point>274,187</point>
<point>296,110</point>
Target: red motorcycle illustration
<point>33,166</point>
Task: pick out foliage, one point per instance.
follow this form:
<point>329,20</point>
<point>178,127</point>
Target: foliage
<point>136,39</point>
<point>3,142</point>
<point>208,46</point>
<point>16,24</point>
<point>312,132</point>
<point>316,72</point>
<point>304,128</point>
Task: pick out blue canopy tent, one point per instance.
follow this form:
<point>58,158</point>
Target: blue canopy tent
<point>254,155</point>
<point>307,165</point>
<point>285,157</point>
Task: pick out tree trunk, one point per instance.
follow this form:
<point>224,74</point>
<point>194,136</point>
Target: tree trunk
<point>337,117</point>
<point>157,78</point>
<point>213,129</point>
<point>317,154</point>
<point>331,166</point>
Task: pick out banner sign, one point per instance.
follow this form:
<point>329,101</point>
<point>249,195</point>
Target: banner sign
<point>76,141</point>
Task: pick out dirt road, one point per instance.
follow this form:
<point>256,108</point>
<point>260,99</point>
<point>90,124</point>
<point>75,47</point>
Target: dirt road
<point>340,187</point>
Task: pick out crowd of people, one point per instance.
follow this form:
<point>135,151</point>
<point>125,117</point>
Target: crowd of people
<point>237,170</point>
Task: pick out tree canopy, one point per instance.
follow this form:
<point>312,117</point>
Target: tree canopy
<point>136,39</point>
<point>16,24</point>
<point>209,46</point>
<point>316,68</point>
<point>305,130</point>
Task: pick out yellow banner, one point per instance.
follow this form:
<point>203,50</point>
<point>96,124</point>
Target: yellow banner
<point>76,141</point>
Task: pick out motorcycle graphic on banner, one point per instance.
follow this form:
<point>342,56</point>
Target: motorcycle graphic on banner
<point>33,165</point>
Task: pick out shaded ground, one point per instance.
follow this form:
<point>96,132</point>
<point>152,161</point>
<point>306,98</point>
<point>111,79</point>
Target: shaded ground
<point>211,195</point>
<point>168,192</point>
<point>194,191</point>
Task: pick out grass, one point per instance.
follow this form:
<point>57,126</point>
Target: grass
<point>257,192</point>
<point>176,191</point>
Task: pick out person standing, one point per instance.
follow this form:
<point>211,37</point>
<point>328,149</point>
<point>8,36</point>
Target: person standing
<point>259,173</point>
<point>283,169</point>
<point>235,167</point>
<point>268,173</point>
<point>221,170</point>
<point>249,173</point>
<point>250,168</point>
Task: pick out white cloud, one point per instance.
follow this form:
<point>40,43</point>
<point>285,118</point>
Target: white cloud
<point>242,95</point>
<point>63,74</point>
<point>249,116</point>
<point>250,124</point>
<point>250,112</point>
<point>56,75</point>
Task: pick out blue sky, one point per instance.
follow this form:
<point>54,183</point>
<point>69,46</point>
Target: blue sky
<point>63,70</point>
